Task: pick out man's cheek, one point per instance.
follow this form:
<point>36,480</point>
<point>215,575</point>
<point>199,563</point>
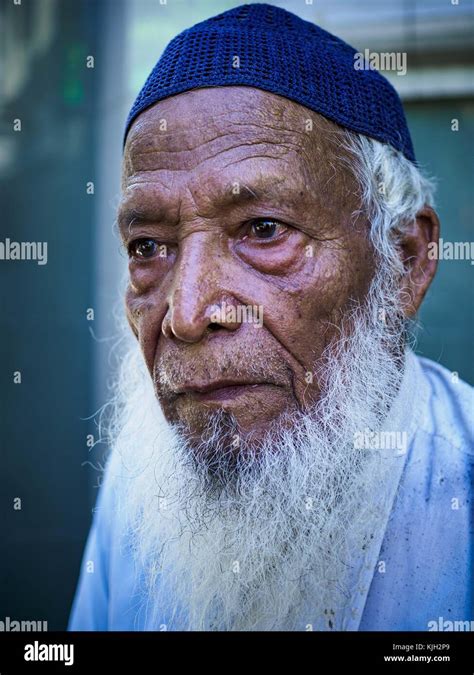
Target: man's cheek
<point>132,322</point>
<point>146,275</point>
<point>145,317</point>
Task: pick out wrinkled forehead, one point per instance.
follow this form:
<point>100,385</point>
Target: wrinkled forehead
<point>226,124</point>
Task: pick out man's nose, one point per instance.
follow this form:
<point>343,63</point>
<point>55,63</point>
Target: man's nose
<point>199,294</point>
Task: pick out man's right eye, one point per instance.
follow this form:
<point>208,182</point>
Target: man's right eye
<point>142,248</point>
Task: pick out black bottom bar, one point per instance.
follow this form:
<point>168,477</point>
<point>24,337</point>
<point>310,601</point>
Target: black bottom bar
<point>154,652</point>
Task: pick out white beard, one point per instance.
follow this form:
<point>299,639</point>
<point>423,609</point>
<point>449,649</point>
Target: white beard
<point>275,546</point>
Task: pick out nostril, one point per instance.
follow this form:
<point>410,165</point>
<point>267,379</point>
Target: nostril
<point>214,326</point>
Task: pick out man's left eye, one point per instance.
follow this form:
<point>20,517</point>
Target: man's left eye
<point>266,228</point>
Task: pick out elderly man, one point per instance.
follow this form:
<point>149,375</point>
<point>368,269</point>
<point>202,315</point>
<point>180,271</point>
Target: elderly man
<point>281,459</point>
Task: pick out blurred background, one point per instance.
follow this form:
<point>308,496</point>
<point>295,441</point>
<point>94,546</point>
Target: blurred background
<point>59,180</point>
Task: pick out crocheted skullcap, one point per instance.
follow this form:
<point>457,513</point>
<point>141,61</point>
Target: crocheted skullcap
<point>283,54</point>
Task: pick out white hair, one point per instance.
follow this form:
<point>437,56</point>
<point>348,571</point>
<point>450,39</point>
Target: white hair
<point>392,190</point>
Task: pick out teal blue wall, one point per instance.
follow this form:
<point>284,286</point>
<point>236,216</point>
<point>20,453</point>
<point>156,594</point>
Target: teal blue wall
<point>44,332</point>
<point>447,315</point>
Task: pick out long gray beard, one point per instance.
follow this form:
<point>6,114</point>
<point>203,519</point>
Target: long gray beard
<point>276,544</point>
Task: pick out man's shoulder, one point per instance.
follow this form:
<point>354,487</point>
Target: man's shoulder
<point>449,413</point>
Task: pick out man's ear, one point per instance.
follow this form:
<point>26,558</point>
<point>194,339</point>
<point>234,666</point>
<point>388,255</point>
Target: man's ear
<point>420,263</point>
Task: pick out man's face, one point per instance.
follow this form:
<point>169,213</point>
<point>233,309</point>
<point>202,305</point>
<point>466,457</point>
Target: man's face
<point>231,200</point>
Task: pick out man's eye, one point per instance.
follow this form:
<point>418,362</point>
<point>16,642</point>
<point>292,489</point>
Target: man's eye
<point>142,248</point>
<point>265,228</point>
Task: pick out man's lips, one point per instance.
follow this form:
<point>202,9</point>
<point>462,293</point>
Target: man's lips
<point>220,390</point>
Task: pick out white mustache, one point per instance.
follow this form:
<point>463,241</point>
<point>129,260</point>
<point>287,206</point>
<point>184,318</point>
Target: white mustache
<point>173,375</point>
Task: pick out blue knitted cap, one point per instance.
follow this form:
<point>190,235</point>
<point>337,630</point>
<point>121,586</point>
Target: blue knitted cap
<point>283,54</point>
